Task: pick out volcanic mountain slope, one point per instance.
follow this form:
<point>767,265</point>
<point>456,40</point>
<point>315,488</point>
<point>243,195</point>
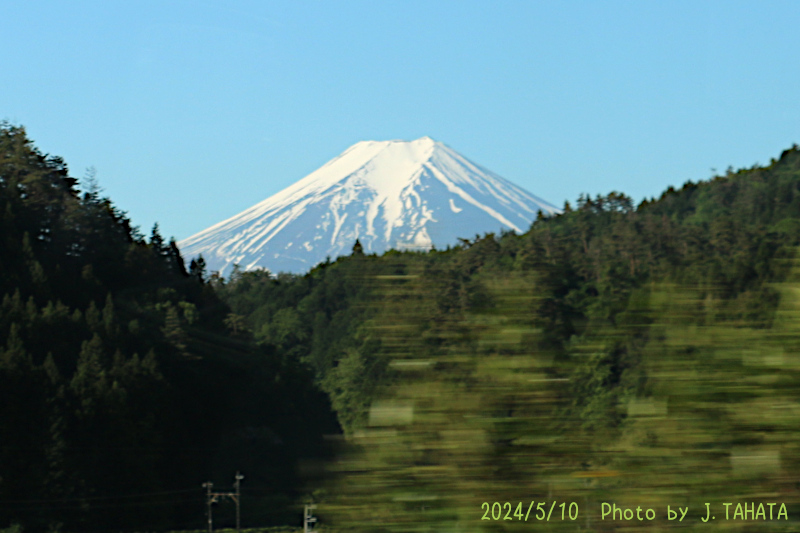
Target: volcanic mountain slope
<point>387,194</point>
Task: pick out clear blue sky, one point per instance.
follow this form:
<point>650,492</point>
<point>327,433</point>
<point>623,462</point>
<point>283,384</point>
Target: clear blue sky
<point>194,111</point>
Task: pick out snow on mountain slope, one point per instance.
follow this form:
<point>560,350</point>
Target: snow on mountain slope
<point>387,194</point>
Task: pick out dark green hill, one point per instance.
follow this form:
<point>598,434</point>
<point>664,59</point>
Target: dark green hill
<point>122,386</point>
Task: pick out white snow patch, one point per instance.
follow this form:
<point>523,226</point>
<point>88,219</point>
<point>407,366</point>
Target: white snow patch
<point>453,207</point>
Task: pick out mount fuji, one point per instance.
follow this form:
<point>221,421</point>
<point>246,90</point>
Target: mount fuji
<point>388,194</point>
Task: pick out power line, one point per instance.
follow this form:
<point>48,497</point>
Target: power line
<point>85,498</point>
<point>46,501</point>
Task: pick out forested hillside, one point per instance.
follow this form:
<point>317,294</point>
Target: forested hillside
<point>123,386</point>
<point>727,238</point>
<point>645,355</point>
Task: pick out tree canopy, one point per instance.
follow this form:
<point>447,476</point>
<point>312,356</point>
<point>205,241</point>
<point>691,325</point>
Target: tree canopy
<point>121,380</point>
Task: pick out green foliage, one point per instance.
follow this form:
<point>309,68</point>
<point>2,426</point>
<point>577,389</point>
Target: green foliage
<point>611,353</point>
<point>118,374</point>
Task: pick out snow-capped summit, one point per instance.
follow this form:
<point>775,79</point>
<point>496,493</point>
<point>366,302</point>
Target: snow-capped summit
<point>388,194</point>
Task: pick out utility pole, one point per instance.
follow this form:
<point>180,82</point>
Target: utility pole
<point>214,497</point>
<point>237,484</point>
<point>209,500</point>
<point>308,519</point>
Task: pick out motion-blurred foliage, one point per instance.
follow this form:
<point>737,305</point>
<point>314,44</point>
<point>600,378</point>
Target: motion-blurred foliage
<point>644,356</point>
<point>697,408</point>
